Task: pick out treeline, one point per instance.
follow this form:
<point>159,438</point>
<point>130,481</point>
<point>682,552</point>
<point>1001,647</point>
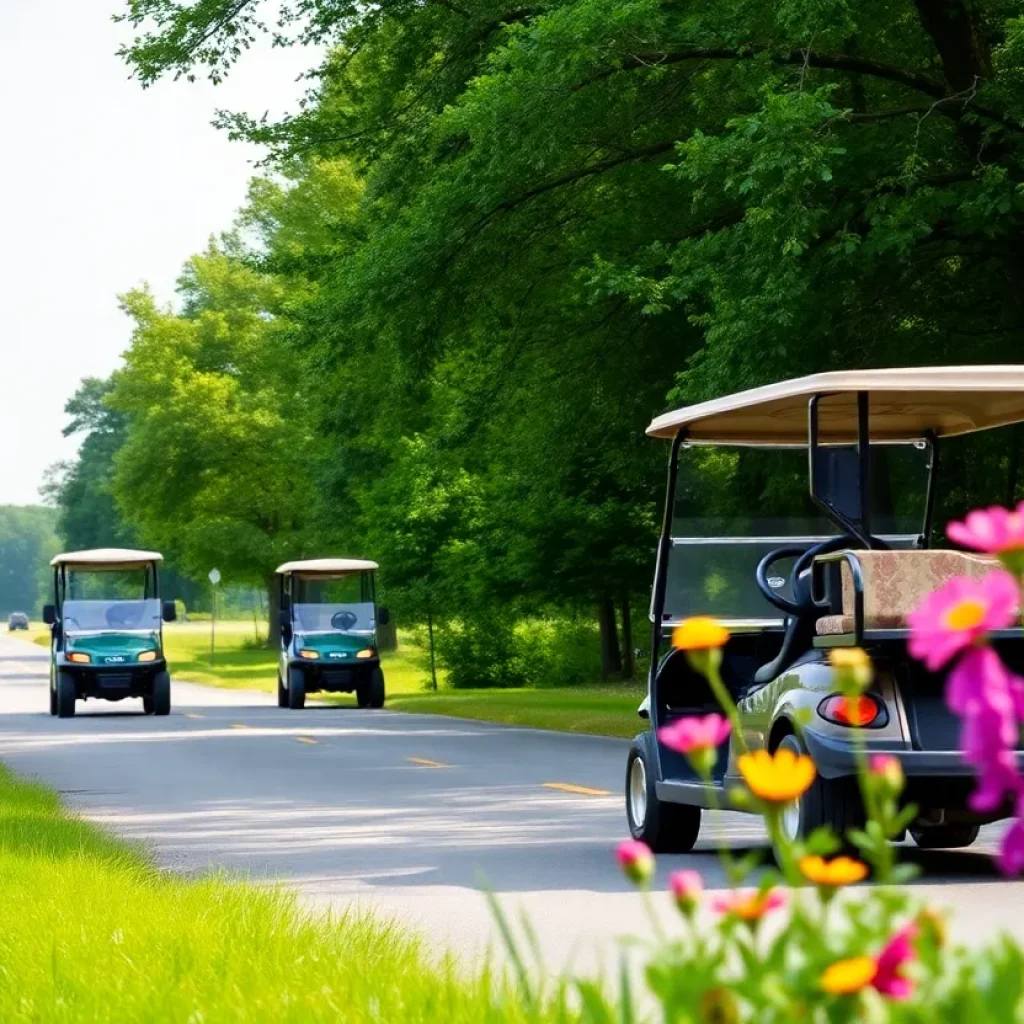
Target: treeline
<point>27,543</point>
<point>495,240</point>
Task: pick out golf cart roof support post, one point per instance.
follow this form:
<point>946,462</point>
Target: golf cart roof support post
<point>929,501</point>
<point>864,460</point>
<point>661,568</point>
<point>862,532</point>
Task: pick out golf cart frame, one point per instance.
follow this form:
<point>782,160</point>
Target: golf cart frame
<point>108,659</point>
<point>776,668</point>
<point>329,656</point>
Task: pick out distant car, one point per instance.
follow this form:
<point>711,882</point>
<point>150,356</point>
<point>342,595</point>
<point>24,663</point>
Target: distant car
<point>17,620</point>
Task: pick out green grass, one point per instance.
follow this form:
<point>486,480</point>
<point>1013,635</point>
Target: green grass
<point>238,664</point>
<point>90,931</point>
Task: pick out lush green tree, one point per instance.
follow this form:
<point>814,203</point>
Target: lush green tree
<point>27,543</point>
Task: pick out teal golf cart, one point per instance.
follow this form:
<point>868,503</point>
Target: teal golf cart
<point>329,619</point>
<point>107,630</point>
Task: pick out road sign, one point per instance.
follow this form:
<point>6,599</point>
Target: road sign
<point>214,576</point>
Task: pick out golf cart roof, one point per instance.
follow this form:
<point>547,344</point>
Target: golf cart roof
<point>327,566</point>
<point>905,405</point>
<point>107,558</point>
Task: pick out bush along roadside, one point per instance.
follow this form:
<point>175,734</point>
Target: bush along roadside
<point>790,947</point>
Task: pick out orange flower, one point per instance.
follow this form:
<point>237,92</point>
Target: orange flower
<point>699,634</point>
<point>833,873</point>
<point>748,904</point>
<point>778,778</point>
<point>846,977</point>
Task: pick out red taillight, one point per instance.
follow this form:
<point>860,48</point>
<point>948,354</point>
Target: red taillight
<point>855,711</point>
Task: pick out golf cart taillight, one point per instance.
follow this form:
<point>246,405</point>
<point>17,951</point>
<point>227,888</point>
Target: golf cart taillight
<point>856,711</point>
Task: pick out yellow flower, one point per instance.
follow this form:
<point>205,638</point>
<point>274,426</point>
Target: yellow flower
<point>933,924</point>
<point>699,634</point>
<point>777,779</point>
<point>845,977</point>
<point>852,663</point>
<point>839,871</point>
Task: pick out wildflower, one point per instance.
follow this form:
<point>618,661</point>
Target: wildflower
<point>853,665</point>
<point>996,531</point>
<point>889,769</point>
<point>698,738</point>
<point>998,778</point>
<point>748,904</point>
<point>846,977</point>
<point>898,951</point>
<point>960,614</point>
<point>636,860</point>
<point>778,778</point>
<point>932,924</point>
<point>699,634</point>
<point>832,873</point>
<point>686,887</point>
<point>1011,850</point>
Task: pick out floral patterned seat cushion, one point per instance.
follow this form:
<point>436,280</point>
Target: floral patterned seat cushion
<point>896,582</point>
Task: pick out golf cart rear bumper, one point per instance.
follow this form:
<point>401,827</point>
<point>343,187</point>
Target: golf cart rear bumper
<point>835,758</point>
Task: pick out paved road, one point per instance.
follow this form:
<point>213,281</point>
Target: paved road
<point>408,814</point>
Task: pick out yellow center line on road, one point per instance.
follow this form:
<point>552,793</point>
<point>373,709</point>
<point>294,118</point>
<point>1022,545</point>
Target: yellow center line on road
<point>427,763</point>
<point>306,739</point>
<point>238,725</point>
<point>188,714</point>
<point>568,787</point>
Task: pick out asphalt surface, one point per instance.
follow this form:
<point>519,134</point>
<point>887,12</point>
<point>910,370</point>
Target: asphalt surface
<point>410,815</point>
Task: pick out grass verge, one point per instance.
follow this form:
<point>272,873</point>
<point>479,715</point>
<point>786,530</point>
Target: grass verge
<point>90,931</point>
<point>239,664</point>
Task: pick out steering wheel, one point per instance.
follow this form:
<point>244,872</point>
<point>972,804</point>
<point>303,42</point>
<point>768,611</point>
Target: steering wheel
<point>123,616</point>
<point>344,620</point>
<point>804,557</point>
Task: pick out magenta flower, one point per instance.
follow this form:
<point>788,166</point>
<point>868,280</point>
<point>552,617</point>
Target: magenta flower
<point>685,887</point>
<point>899,951</point>
<point>1011,851</point>
<point>636,860</point>
<point>998,779</point>
<point>960,614</point>
<point>695,733</point>
<point>887,767</point>
<point>992,530</point>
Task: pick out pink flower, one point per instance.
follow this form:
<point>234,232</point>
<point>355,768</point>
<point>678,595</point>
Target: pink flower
<point>748,904</point>
<point>979,678</point>
<point>960,614</point>
<point>992,530</point>
<point>685,887</point>
<point>897,952</point>
<point>695,733</point>
<point>998,778</point>
<point>636,860</point>
<point>1011,851</point>
<point>887,767</point>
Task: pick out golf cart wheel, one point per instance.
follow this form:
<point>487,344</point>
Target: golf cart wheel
<point>296,688</point>
<point>161,694</point>
<point>370,692</point>
<point>65,696</point>
<point>833,803</point>
<point>664,827</point>
<point>944,837</point>
<point>282,693</point>
<point>147,705</point>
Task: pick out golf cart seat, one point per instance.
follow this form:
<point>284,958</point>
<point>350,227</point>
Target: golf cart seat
<point>891,584</point>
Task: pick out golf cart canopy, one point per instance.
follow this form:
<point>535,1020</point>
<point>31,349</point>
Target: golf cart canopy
<point>106,558</point>
<point>906,405</point>
<point>326,566</point>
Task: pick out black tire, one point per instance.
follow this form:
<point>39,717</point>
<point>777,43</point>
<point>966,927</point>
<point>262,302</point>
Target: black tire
<point>53,694</point>
<point>148,707</point>
<point>282,693</point>
<point>665,828</point>
<point>296,688</point>
<point>945,837</point>
<point>370,691</point>
<point>161,693</point>
<point>66,694</point>
<point>835,803</point>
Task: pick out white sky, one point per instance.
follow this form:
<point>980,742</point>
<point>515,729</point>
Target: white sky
<point>103,185</point>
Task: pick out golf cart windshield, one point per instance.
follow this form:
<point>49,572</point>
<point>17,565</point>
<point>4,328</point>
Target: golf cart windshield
<point>733,506</point>
<point>334,604</point>
<point>109,601</point>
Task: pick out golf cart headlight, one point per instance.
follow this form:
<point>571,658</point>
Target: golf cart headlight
<point>147,656</point>
<point>79,658</point>
<point>368,652</point>
<point>307,653</point>
<point>859,712</point>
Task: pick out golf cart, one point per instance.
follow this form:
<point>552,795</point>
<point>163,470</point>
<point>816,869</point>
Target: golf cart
<point>792,574</point>
<point>107,630</point>
<point>329,618</point>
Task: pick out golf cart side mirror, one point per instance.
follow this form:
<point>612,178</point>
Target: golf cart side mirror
<point>383,616</point>
<point>170,611</point>
<point>49,614</point>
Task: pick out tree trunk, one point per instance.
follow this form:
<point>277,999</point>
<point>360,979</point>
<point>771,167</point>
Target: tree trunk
<point>387,636</point>
<point>611,659</point>
<point>273,612</point>
<point>433,663</point>
<point>627,641</point>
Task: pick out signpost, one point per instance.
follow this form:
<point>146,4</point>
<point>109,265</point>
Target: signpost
<point>214,578</point>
